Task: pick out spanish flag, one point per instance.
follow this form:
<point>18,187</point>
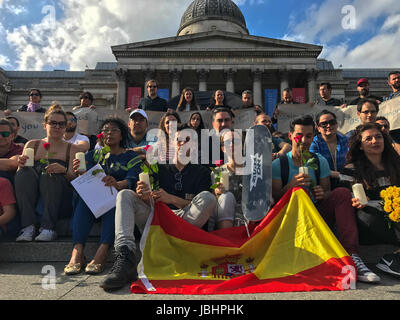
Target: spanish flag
<point>292,249</point>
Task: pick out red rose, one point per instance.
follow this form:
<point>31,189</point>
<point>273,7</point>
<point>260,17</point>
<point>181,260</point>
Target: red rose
<point>147,147</point>
<point>100,136</point>
<point>219,163</point>
<point>298,138</point>
<point>46,146</point>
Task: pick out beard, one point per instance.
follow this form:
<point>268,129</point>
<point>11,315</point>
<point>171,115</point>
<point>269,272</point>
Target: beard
<point>70,129</point>
<point>364,92</point>
<point>396,85</point>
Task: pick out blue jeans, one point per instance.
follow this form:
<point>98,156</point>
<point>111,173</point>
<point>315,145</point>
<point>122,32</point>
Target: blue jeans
<point>83,220</point>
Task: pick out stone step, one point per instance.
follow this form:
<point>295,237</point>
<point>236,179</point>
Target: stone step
<point>57,251</point>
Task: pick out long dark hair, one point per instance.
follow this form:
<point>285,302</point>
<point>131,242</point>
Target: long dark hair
<point>121,126</point>
<point>365,171</point>
<point>201,125</point>
<point>182,101</point>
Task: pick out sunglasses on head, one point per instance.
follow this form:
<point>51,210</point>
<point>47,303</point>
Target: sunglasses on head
<point>5,134</point>
<point>324,124</point>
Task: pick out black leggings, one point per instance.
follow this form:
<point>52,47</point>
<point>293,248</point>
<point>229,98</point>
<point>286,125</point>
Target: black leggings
<point>373,228</point>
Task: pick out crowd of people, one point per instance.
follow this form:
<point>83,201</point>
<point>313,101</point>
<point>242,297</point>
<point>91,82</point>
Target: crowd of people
<point>36,191</point>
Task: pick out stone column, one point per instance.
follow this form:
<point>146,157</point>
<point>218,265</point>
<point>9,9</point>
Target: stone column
<point>257,87</point>
<point>284,77</point>
<point>203,76</point>
<point>122,88</point>
<point>230,80</point>
<point>148,75</point>
<point>176,83</point>
<point>312,85</point>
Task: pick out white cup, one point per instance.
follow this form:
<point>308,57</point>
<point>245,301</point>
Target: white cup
<point>359,193</point>
<point>225,180</point>
<point>82,161</point>
<point>30,153</point>
<point>145,178</point>
<point>303,170</point>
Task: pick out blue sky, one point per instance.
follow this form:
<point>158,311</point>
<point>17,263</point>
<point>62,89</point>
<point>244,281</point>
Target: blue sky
<point>73,34</point>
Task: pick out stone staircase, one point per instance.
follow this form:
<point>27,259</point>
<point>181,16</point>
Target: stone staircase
<point>56,251</point>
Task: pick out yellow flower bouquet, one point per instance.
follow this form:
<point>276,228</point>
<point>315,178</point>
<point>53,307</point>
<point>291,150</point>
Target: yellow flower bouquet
<point>391,203</point>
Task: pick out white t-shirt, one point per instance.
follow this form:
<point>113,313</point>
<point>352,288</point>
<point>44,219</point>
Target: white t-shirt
<point>77,138</point>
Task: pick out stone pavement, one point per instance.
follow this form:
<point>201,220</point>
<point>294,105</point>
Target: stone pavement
<point>30,281</point>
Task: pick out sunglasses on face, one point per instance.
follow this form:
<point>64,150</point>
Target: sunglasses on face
<point>34,95</point>
<point>151,87</point>
<point>386,126</point>
<point>324,124</point>
<point>54,124</point>
<point>86,97</point>
<point>5,134</point>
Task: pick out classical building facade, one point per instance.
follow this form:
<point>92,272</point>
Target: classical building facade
<point>211,50</point>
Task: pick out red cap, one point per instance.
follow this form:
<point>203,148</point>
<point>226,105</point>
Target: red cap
<point>362,80</point>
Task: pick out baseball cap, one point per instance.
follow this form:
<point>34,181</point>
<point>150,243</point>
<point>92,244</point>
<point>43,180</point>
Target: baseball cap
<point>362,80</point>
<point>140,111</point>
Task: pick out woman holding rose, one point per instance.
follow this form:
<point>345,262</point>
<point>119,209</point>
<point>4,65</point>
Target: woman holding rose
<point>122,168</point>
<point>47,180</point>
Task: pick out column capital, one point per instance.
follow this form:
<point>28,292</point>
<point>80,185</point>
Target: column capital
<point>122,74</point>
<point>312,73</point>
<point>203,74</point>
<point>175,74</point>
<point>257,74</point>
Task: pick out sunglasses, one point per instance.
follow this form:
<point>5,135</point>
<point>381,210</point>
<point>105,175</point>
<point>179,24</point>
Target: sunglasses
<point>34,95</point>
<point>5,134</point>
<point>386,126</point>
<point>86,97</point>
<point>178,185</point>
<point>54,124</point>
<point>151,87</point>
<point>324,124</point>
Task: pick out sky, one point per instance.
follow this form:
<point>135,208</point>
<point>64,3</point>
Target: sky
<point>44,35</point>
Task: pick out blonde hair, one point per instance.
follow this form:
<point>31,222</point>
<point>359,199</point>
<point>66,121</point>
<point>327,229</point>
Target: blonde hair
<point>55,108</point>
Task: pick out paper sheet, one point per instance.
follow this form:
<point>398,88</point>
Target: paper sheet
<point>94,193</point>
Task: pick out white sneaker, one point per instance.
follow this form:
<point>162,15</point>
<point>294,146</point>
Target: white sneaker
<point>26,234</point>
<point>363,273</point>
<point>46,235</point>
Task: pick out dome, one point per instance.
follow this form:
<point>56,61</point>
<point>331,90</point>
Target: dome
<point>208,15</point>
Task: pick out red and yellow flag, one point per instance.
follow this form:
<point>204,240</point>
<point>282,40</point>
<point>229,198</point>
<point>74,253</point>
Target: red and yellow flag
<point>292,249</point>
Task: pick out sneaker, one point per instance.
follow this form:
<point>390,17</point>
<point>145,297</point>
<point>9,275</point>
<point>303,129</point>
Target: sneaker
<point>122,272</point>
<point>26,234</point>
<point>363,273</point>
<point>390,263</point>
<point>46,235</point>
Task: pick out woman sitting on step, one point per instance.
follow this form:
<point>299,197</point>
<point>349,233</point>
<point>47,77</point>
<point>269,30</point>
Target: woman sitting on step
<point>47,180</point>
<point>122,168</point>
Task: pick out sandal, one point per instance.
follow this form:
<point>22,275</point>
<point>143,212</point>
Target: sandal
<point>94,268</point>
<point>73,268</point>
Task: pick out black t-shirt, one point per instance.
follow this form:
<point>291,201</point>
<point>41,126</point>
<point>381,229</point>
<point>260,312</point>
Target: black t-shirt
<point>355,101</point>
<point>19,139</point>
<point>330,102</point>
<point>156,104</point>
<point>185,184</point>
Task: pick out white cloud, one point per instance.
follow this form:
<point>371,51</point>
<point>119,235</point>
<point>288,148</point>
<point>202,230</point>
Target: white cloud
<point>323,25</point>
<point>381,51</point>
<point>89,28</point>
<point>4,61</point>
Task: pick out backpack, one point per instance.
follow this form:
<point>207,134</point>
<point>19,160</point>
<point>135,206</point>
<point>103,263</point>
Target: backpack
<point>284,161</point>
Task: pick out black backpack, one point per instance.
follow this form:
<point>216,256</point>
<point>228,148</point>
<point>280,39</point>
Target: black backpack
<point>284,161</point>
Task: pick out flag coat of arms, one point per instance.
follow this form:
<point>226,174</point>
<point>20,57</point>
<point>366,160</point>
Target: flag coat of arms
<point>292,249</point>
